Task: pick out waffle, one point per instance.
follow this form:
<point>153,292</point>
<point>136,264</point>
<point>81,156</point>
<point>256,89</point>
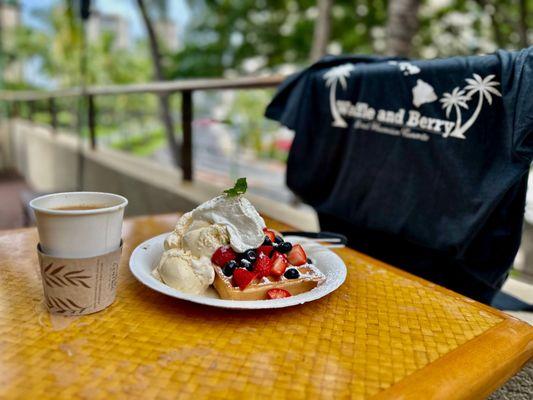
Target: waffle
<point>309,278</point>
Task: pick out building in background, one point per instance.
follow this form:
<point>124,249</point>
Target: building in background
<point>167,32</point>
<point>10,20</point>
<point>100,24</point>
<point>118,26</point>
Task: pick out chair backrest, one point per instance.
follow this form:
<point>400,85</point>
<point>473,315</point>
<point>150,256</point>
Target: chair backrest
<point>420,163</point>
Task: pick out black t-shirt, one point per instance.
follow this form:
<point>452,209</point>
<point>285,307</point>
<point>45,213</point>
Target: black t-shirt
<point>422,163</point>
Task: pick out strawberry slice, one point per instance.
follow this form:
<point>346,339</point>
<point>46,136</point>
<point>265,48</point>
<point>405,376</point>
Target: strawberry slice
<point>271,234</point>
<point>242,278</point>
<point>297,255</point>
<point>222,255</point>
<point>266,250</point>
<point>275,254</point>
<point>278,294</point>
<point>263,265</point>
<point>279,264</point>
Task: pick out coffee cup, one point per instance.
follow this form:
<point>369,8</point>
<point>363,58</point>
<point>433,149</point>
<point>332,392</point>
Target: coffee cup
<point>79,249</point>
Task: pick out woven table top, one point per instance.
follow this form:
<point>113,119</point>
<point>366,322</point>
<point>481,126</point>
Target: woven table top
<point>383,334</point>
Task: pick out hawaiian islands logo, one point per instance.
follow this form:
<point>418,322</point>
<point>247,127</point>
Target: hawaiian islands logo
<point>404,122</point>
<point>406,67</point>
<point>423,93</point>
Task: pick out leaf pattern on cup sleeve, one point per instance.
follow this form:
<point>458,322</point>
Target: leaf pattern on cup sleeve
<point>55,277</point>
<point>62,306</point>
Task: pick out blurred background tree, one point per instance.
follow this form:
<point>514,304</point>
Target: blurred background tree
<point>227,38</point>
<point>159,73</point>
<point>136,41</point>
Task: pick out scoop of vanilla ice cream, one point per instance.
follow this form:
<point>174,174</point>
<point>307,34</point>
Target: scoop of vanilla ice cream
<point>204,240</point>
<point>180,270</point>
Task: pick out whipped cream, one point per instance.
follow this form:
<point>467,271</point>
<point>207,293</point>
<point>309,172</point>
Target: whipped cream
<point>237,215</point>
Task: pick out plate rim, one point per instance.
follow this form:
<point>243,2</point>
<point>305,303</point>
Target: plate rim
<point>230,304</point>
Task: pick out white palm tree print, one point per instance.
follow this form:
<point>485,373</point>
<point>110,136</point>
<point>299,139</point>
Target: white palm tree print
<point>484,88</point>
<point>454,100</point>
<point>337,74</point>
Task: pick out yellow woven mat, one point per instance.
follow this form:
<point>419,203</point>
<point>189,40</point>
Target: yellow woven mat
<point>373,331</point>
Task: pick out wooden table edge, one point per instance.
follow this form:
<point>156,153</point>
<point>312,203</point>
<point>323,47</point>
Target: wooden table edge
<point>462,373</point>
<point>442,378</point>
<point>447,377</point>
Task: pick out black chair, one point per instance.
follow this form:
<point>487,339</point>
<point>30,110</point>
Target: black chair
<point>422,164</point>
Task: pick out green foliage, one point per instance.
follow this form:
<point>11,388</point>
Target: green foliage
<point>247,110</point>
<point>224,35</point>
<point>242,37</point>
<point>239,188</point>
<point>143,145</point>
<point>228,38</point>
<point>58,48</point>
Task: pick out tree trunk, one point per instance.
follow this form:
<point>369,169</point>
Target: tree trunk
<point>164,102</point>
<point>402,24</point>
<point>522,24</point>
<point>1,48</point>
<point>322,29</point>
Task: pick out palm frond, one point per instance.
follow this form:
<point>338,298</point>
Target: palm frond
<point>493,91</point>
<point>472,91</point>
<point>478,78</point>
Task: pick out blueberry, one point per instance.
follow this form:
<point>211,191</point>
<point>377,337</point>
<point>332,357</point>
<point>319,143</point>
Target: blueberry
<point>309,261</point>
<point>291,273</point>
<point>279,239</point>
<point>246,264</point>
<point>249,255</point>
<point>284,247</point>
<point>229,268</point>
<point>267,241</point>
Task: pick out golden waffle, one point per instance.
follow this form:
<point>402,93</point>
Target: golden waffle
<point>309,278</point>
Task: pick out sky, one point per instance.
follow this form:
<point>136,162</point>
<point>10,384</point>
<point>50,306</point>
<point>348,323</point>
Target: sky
<point>179,12</point>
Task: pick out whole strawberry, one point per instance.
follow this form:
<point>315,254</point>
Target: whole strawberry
<point>263,265</point>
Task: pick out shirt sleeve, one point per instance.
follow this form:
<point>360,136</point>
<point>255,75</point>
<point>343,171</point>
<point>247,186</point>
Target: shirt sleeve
<point>519,99</point>
<point>284,106</point>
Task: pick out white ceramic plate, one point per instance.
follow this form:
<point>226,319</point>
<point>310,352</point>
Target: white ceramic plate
<point>146,257</point>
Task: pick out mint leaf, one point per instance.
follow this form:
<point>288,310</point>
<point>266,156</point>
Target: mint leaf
<point>239,188</point>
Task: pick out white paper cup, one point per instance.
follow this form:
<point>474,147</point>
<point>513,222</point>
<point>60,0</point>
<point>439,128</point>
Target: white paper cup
<point>79,233</point>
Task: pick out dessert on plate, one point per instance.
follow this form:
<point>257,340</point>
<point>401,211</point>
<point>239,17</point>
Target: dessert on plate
<point>224,242</point>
